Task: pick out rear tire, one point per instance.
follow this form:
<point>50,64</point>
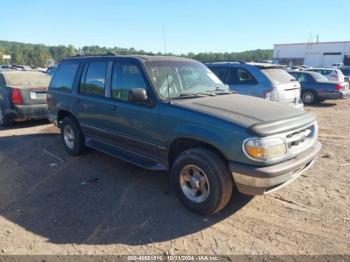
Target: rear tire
<point>5,121</point>
<point>309,97</point>
<point>72,136</point>
<point>202,181</point>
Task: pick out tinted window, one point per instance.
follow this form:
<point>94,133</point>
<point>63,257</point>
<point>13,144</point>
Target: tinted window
<point>126,76</point>
<point>277,75</point>
<point>240,76</point>
<point>94,83</point>
<point>346,71</point>
<point>64,76</point>
<point>222,73</point>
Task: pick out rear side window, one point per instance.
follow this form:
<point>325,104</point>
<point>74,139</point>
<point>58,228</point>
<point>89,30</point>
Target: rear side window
<point>126,76</point>
<point>64,77</point>
<point>222,73</point>
<point>94,81</point>
<point>240,76</point>
<point>277,75</point>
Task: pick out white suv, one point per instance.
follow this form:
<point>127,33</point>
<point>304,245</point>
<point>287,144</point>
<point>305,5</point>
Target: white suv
<point>332,74</point>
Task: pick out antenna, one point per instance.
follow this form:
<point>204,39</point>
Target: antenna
<point>164,40</point>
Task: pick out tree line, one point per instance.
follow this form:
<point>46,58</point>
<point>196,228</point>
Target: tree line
<point>38,55</point>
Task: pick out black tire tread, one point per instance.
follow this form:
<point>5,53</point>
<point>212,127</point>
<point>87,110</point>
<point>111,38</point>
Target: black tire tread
<point>219,167</point>
<point>79,146</point>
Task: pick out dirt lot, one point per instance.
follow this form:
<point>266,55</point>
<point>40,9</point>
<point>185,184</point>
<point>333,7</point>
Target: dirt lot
<point>52,203</point>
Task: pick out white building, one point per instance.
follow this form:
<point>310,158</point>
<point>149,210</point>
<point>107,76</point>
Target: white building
<point>312,54</point>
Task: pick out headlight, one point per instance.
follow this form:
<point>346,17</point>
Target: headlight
<point>265,149</point>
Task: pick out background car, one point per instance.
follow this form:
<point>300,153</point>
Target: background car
<point>5,67</point>
<point>346,72</point>
<point>51,70</point>
<point>21,67</point>
<point>317,88</point>
<point>22,96</point>
<point>261,80</point>
<point>332,74</point>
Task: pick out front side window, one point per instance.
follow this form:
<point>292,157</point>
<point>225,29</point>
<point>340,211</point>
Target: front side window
<point>175,79</point>
<point>95,78</point>
<point>126,76</point>
<point>63,79</point>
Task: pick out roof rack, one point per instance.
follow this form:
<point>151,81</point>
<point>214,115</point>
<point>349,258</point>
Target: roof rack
<point>115,52</point>
<point>226,61</point>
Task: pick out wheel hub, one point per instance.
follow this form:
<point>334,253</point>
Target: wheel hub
<point>68,135</point>
<point>194,183</point>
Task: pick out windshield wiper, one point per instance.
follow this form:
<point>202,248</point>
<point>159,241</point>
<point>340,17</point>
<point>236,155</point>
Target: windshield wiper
<point>189,95</point>
<point>221,91</point>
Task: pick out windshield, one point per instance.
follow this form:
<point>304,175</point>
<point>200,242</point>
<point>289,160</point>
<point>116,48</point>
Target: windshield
<point>277,75</point>
<point>175,79</point>
<point>27,79</point>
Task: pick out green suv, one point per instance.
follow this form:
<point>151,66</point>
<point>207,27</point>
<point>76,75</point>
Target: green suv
<point>174,114</point>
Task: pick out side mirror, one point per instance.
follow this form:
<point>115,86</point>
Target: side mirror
<point>137,95</point>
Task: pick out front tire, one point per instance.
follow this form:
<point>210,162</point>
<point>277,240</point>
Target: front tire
<point>202,181</point>
<point>72,136</point>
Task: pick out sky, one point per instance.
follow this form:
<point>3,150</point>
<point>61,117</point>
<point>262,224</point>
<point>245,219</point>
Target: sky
<point>177,26</point>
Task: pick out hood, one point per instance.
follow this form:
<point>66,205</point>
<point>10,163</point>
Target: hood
<point>262,117</point>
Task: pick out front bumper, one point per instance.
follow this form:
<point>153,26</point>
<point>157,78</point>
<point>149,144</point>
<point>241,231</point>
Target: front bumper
<point>23,112</point>
<point>254,180</point>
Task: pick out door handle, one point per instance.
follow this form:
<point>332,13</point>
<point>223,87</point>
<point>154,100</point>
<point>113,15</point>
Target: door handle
<point>112,107</point>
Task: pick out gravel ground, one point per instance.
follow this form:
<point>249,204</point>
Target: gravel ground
<point>52,203</point>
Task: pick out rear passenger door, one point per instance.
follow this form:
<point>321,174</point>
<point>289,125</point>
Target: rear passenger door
<point>91,105</point>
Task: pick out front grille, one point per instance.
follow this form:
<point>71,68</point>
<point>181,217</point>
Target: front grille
<point>302,139</point>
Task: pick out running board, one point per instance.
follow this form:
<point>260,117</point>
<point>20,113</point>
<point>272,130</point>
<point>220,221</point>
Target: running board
<point>127,156</point>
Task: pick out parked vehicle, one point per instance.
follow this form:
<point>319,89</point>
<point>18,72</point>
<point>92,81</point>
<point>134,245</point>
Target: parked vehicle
<point>316,88</point>
<point>332,74</point>
<point>21,67</point>
<point>261,80</point>
<point>337,65</point>
<point>51,70</point>
<point>22,96</point>
<point>174,114</point>
<point>346,72</point>
<point>5,67</point>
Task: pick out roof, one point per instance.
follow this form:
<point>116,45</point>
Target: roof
<point>334,42</point>
<point>138,57</point>
<point>322,68</point>
<point>265,65</point>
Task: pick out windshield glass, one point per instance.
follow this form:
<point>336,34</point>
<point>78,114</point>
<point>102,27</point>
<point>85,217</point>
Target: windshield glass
<point>177,79</point>
<point>277,75</point>
<point>319,77</point>
<point>27,79</point>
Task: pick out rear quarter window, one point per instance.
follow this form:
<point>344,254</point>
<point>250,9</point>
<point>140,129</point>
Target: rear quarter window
<point>63,79</point>
<point>277,75</point>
